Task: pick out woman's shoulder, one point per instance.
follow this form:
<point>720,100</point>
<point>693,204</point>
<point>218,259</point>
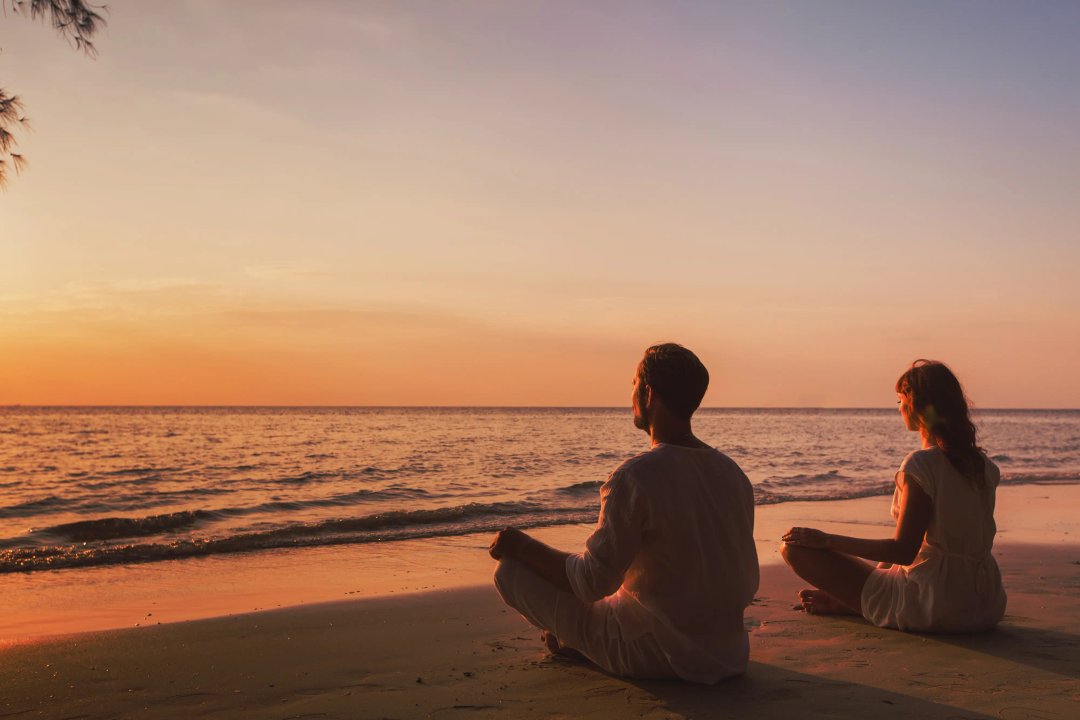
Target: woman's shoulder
<point>922,459</point>
<point>931,463</point>
<point>991,471</point>
<point>921,467</point>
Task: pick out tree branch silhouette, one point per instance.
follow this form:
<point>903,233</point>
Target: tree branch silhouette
<point>77,22</point>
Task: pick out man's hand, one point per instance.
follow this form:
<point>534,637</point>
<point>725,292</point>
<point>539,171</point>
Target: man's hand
<point>807,537</point>
<point>547,562</point>
<point>507,543</point>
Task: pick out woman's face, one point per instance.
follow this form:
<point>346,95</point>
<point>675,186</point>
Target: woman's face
<point>911,419</point>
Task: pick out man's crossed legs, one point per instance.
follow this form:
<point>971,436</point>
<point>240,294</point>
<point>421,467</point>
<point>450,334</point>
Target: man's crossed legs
<point>591,629</point>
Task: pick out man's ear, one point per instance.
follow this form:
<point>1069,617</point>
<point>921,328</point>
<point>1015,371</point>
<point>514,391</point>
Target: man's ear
<point>648,396</point>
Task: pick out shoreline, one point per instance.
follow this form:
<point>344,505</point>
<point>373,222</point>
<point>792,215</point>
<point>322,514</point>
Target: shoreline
<point>64,602</point>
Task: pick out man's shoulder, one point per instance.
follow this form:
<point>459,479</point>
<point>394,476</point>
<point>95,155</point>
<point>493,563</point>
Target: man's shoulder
<point>638,462</point>
<point>662,460</point>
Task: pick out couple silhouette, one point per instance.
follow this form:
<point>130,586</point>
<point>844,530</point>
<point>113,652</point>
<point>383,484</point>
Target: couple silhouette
<point>660,588</point>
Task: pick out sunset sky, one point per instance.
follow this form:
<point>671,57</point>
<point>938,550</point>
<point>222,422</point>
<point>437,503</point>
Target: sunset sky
<point>503,203</point>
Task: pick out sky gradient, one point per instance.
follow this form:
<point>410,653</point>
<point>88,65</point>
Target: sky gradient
<point>482,203</point>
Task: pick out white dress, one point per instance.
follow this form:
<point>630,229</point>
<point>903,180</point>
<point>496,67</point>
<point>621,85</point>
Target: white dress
<point>954,584</point>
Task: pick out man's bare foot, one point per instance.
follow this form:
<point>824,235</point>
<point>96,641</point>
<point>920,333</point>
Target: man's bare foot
<point>561,652</point>
<point>819,602</point>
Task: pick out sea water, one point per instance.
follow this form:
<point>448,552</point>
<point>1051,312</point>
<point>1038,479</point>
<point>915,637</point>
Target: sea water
<point>92,487</point>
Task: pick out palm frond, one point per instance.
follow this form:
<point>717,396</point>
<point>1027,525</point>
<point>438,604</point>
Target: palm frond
<point>75,20</point>
<point>11,108</point>
<point>6,140</point>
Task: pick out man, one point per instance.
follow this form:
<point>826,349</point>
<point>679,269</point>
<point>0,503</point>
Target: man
<point>660,589</point>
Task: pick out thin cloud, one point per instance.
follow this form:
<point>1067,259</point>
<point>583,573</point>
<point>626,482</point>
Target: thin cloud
<point>286,272</point>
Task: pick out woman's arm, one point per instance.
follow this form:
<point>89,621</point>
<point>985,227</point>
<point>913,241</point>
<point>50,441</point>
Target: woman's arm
<point>916,509</point>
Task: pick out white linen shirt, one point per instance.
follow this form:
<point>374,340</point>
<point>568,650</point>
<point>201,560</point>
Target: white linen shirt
<point>673,555</point>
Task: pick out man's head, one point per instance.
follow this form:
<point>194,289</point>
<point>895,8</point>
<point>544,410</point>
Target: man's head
<point>676,378</point>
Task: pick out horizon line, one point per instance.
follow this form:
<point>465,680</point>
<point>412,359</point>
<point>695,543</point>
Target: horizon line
<point>12,406</point>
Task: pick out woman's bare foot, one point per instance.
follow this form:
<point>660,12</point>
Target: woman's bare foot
<point>819,602</point>
<point>561,652</point>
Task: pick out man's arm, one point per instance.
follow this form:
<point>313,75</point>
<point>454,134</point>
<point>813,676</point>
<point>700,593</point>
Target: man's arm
<point>544,560</point>
<point>609,551</point>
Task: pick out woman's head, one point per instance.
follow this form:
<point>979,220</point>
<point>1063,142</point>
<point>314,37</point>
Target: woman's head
<point>932,401</point>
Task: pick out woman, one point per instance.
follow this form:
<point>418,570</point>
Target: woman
<point>936,574</point>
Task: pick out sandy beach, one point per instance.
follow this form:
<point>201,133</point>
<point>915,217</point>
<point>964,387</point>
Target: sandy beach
<point>457,651</point>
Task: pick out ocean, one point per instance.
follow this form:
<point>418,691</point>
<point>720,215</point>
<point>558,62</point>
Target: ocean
<point>89,487</point>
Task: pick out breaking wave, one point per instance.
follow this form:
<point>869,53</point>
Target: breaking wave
<point>379,527</point>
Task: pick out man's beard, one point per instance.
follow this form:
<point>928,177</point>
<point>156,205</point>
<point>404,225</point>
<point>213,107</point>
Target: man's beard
<point>641,417</point>
<point>641,422</point>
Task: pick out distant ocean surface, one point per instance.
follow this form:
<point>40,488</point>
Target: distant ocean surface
<point>81,487</point>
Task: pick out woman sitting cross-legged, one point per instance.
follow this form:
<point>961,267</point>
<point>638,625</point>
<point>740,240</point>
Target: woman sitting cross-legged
<point>936,574</point>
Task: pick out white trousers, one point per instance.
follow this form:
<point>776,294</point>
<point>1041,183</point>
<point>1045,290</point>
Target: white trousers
<point>591,629</point>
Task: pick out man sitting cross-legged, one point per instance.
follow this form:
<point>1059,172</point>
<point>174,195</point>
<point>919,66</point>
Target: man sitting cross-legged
<point>661,586</point>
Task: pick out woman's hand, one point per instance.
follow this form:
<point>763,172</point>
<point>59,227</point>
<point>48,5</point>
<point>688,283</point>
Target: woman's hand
<point>808,538</point>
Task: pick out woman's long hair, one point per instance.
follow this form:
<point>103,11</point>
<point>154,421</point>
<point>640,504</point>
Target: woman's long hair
<point>939,401</point>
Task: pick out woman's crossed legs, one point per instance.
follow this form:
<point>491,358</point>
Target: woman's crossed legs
<point>838,579</point>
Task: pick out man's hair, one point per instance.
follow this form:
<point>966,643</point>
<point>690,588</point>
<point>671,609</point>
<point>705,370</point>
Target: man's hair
<point>676,375</point>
